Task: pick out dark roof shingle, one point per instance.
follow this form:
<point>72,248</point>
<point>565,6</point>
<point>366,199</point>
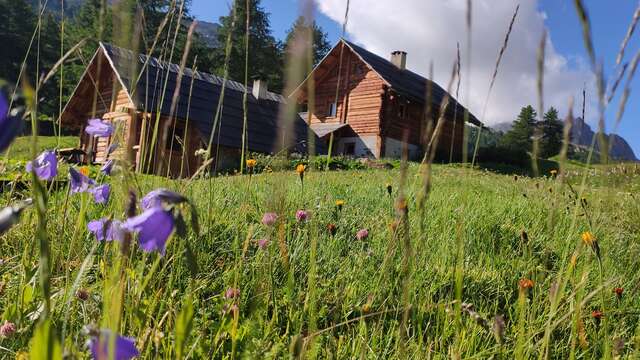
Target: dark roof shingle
<point>156,86</point>
<point>408,83</point>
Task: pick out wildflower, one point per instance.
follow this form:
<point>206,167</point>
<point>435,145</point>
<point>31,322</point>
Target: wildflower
<point>101,193</point>
<point>79,182</point>
<point>10,215</point>
<point>590,240</point>
<point>263,243</point>
<point>251,163</point>
<point>525,284</point>
<point>154,226</point>
<point>98,127</point>
<point>300,169</point>
<point>84,170</point>
<point>366,308</point>
<point>82,295</point>
<point>618,291</point>
<point>362,234</point>
<point>231,293</point>
<point>7,329</point>
<point>339,204</point>
<point>106,230</point>
<point>10,125</point>
<point>389,189</point>
<point>597,316</point>
<point>332,228</point>
<point>156,197</point>
<point>302,215</point>
<point>268,219</point>
<point>45,165</point>
<point>107,167</point>
<point>124,348</point>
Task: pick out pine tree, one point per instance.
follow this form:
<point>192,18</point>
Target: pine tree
<point>321,45</point>
<point>520,135</point>
<point>265,58</point>
<point>552,130</point>
<point>18,23</point>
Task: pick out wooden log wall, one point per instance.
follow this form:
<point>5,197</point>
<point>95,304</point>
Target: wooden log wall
<point>359,96</point>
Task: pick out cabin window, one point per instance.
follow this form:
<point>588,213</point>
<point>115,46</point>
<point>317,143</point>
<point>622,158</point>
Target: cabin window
<point>350,148</point>
<point>333,110</point>
<point>175,140</point>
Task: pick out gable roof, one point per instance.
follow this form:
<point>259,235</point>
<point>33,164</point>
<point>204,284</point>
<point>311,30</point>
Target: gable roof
<point>404,82</point>
<point>155,86</point>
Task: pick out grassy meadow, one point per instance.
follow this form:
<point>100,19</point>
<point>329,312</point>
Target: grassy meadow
<point>420,261</point>
<point>445,281</point>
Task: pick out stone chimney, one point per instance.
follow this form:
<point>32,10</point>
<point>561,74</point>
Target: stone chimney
<point>259,89</point>
<point>399,59</point>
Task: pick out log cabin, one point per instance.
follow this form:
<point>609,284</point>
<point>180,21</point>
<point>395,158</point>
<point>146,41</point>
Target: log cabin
<point>371,105</point>
<point>138,102</point>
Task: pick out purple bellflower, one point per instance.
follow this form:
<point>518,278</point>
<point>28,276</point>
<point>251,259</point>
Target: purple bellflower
<point>124,348</point>
<point>98,127</point>
<point>10,125</point>
<point>107,167</point>
<point>79,182</point>
<point>101,193</point>
<point>105,230</point>
<point>45,165</point>
<point>156,197</point>
<point>154,226</point>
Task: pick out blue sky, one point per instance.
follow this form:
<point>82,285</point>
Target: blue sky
<point>610,20</point>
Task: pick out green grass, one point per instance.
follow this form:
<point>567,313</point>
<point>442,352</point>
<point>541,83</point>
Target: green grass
<point>21,147</point>
<point>354,303</point>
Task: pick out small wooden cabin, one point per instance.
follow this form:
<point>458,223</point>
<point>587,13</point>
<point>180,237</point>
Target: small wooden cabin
<point>135,93</point>
<point>378,102</point>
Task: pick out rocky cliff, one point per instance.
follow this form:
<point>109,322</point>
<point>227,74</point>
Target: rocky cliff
<point>582,135</point>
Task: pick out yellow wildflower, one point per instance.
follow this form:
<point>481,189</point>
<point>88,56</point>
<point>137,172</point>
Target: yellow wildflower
<point>588,238</point>
<point>251,163</point>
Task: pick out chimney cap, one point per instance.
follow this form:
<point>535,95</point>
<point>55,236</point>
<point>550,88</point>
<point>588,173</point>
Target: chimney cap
<point>399,59</point>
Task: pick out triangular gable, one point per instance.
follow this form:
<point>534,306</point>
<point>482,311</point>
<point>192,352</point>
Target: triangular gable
<point>87,78</point>
<point>318,69</point>
<point>404,82</point>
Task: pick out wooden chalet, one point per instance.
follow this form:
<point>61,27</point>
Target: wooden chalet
<point>378,102</point>
<point>139,102</point>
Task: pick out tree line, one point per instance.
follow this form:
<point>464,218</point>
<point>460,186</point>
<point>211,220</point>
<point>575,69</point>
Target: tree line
<point>141,25</point>
<point>527,127</point>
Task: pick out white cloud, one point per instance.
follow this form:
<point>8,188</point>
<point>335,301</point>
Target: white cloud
<point>429,29</point>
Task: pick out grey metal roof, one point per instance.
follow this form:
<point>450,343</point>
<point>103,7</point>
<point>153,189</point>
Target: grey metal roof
<point>154,91</point>
<point>323,130</point>
<point>408,83</point>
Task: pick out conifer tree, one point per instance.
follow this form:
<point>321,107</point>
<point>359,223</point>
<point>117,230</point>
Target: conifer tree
<point>321,45</point>
<point>265,51</point>
<point>520,135</point>
<point>552,131</point>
